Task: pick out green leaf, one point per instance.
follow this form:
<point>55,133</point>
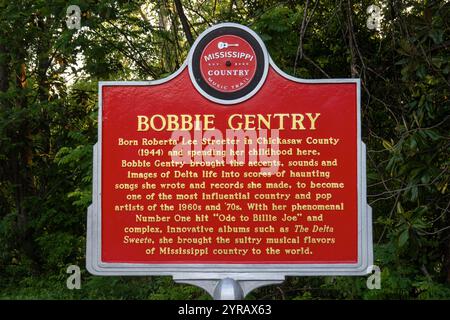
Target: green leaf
<point>387,145</point>
<point>437,61</point>
<point>400,208</point>
<point>414,193</point>
<point>432,134</point>
<point>403,238</point>
<point>437,35</point>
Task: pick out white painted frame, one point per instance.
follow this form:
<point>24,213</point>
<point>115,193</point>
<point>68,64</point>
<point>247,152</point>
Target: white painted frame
<point>252,273</point>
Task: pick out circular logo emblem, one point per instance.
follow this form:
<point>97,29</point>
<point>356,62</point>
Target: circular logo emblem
<point>228,63</point>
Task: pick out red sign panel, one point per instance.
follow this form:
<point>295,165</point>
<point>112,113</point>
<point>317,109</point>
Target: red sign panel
<point>157,210</point>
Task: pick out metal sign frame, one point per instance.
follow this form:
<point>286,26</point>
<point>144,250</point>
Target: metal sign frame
<point>249,276</point>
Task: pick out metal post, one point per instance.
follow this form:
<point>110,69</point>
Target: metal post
<point>228,289</point>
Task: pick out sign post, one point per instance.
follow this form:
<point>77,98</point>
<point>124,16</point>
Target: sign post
<point>229,174</point>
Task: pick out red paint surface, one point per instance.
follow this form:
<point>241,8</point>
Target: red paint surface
<point>337,104</point>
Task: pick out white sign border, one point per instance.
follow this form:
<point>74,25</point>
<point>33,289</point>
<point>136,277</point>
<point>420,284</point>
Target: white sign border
<point>235,271</point>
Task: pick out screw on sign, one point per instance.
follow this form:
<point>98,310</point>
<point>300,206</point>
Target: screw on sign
<point>229,174</point>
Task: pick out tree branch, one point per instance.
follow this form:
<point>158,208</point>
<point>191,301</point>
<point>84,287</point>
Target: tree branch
<point>184,22</point>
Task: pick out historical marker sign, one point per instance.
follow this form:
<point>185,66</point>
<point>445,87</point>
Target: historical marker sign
<point>229,168</point>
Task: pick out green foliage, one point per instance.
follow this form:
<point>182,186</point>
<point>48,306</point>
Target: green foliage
<point>48,125</point>
<point>165,289</point>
